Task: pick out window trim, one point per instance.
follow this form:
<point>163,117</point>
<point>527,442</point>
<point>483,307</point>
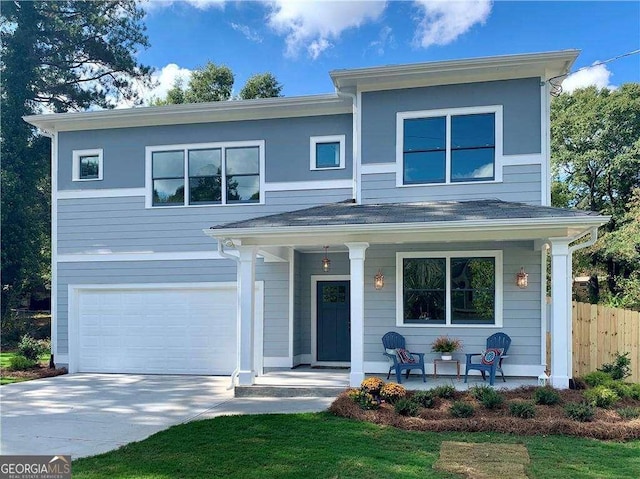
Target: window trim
<point>447,255</point>
<point>448,113</point>
<point>314,140</point>
<point>75,169</point>
<point>149,150</point>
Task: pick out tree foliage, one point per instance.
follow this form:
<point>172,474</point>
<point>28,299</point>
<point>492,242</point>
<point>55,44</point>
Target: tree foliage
<point>56,56</point>
<point>261,85</point>
<point>595,142</point>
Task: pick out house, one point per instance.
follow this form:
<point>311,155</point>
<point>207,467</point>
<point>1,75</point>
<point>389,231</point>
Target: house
<point>231,237</point>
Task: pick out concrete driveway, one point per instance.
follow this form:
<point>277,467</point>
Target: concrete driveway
<point>87,414</point>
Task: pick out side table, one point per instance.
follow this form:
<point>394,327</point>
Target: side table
<point>439,360</point>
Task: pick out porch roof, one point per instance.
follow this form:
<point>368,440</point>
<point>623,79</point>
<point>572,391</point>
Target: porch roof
<point>352,221</point>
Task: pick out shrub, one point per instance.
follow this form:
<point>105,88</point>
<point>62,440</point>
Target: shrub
<point>32,348</point>
<point>445,392</point>
<point>461,409</point>
<point>478,392</point>
<point>522,409</point>
<point>492,399</point>
<point>629,412</point>
<point>392,392</point>
<point>20,363</point>
<point>546,396</point>
<point>634,391</point>
<point>601,396</point>
<point>406,407</point>
<point>582,411</point>
<point>424,399</point>
<point>363,399</point>
<point>623,390</point>
<point>597,378</point>
<point>620,368</point>
<point>372,385</point>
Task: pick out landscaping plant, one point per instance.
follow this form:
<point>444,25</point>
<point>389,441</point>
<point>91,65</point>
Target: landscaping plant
<point>372,385</point>
<point>522,409</point>
<point>424,399</point>
<point>32,348</point>
<point>444,344</point>
<point>546,396</point>
<point>445,392</point>
<point>629,412</point>
<point>406,407</point>
<point>364,399</point>
<point>582,411</point>
<point>620,368</point>
<point>601,396</point>
<point>597,378</point>
<point>20,363</point>
<point>461,409</point>
<point>392,392</point>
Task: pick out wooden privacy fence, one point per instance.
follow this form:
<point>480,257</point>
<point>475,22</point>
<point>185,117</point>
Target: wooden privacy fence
<point>598,333</point>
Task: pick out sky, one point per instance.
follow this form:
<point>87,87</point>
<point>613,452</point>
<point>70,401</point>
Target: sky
<point>301,41</point>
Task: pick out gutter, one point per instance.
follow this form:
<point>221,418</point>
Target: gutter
<point>234,258</point>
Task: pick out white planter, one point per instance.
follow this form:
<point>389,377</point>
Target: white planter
<point>447,357</point>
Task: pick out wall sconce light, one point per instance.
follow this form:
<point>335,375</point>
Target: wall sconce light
<point>378,280</point>
<point>522,279</point>
<point>326,262</point>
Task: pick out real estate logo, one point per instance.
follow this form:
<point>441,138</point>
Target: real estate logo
<point>35,467</point>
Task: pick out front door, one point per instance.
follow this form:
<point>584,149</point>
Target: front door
<point>334,321</point>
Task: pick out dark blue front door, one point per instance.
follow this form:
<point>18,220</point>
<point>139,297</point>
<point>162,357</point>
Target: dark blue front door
<point>334,323</point>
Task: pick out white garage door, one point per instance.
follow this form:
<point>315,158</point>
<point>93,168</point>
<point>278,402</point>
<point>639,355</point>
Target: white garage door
<point>157,331</point>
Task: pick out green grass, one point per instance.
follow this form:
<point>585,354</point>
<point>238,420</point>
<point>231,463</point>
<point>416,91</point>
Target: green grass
<point>5,358</point>
<point>323,446</point>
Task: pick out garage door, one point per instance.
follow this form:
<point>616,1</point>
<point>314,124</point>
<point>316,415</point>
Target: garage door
<point>157,331</point>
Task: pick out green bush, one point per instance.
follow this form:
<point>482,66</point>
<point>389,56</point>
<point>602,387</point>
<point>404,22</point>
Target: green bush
<point>461,409</point>
<point>582,412</point>
<point>445,392</point>
<point>597,378</point>
<point>492,399</point>
<point>364,399</point>
<point>601,396</point>
<point>20,363</point>
<point>620,368</point>
<point>623,390</point>
<point>478,392</point>
<point>634,391</point>
<point>629,412</point>
<point>406,407</point>
<point>546,396</point>
<point>522,409</point>
<point>424,399</point>
<point>32,348</point>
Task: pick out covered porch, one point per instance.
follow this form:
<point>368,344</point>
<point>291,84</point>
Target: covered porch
<point>371,239</point>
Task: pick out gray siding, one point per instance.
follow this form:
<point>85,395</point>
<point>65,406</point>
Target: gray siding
<point>521,113</point>
<point>124,225</point>
<point>275,276</point>
<point>519,183</point>
<point>286,148</point>
<point>521,313</point>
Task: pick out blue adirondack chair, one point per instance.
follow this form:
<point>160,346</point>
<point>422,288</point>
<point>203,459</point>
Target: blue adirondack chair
<point>499,341</point>
<point>392,340</point>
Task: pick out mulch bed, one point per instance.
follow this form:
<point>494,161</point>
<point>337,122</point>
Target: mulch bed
<point>36,372</point>
<point>607,423</point>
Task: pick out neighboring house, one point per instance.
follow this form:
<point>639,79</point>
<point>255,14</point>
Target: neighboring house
<point>190,239</point>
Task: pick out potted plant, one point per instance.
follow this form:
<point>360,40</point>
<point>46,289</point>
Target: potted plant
<point>445,346</point>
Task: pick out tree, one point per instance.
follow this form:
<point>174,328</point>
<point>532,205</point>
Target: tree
<point>261,85</point>
<point>595,144</point>
<point>60,56</point>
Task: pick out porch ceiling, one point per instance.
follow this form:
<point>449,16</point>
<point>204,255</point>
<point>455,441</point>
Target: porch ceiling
<point>447,221</point>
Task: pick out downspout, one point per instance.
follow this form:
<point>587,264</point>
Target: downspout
<point>234,258</point>
<point>355,155</point>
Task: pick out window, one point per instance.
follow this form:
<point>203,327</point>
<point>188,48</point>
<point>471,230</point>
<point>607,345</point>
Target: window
<point>205,174</point>
<point>87,165</point>
<point>449,146</point>
<point>451,288</point>
<point>327,152</point>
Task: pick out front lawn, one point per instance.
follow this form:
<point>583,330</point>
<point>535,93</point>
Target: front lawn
<point>324,446</point>
<point>9,377</point>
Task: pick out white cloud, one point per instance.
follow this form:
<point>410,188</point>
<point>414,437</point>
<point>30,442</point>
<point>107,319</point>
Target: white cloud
<point>163,81</point>
<point>199,4</point>
<point>444,21</point>
<point>249,34</point>
<point>385,39</point>
<point>597,76</point>
<point>313,24</point>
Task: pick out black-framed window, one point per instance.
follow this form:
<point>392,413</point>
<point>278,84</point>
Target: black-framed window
<point>424,290</point>
<point>89,166</point>
<point>473,290</point>
<point>473,147</point>
<point>167,170</point>
<point>243,174</point>
<point>205,176</point>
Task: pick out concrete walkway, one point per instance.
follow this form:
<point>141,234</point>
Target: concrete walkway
<point>88,414</point>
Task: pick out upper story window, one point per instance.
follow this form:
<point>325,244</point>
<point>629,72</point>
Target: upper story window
<point>451,288</point>
<point>205,174</point>
<point>87,165</point>
<point>449,146</point>
<point>327,152</point>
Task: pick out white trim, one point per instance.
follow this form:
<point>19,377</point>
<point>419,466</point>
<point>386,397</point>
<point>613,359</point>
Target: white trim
<point>308,185</point>
<point>543,306</point>
<point>357,148</point>
<point>74,291</point>
<point>100,193</point>
<point>301,359</point>
<point>75,169</point>
<point>54,247</point>
<point>315,140</point>
<point>448,113</point>
<point>447,255</point>
<point>139,256</point>
<point>512,370</point>
<point>378,168</point>
<point>518,160</point>
<point>149,150</point>
<point>292,273</point>
<point>277,362</point>
<point>315,278</point>
<point>545,135</point>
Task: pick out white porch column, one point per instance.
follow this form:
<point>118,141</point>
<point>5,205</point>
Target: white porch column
<point>356,258</point>
<point>561,327</point>
<point>246,313</point>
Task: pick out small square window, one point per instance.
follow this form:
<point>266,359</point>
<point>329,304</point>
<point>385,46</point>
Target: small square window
<point>327,152</point>
<point>87,165</point>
